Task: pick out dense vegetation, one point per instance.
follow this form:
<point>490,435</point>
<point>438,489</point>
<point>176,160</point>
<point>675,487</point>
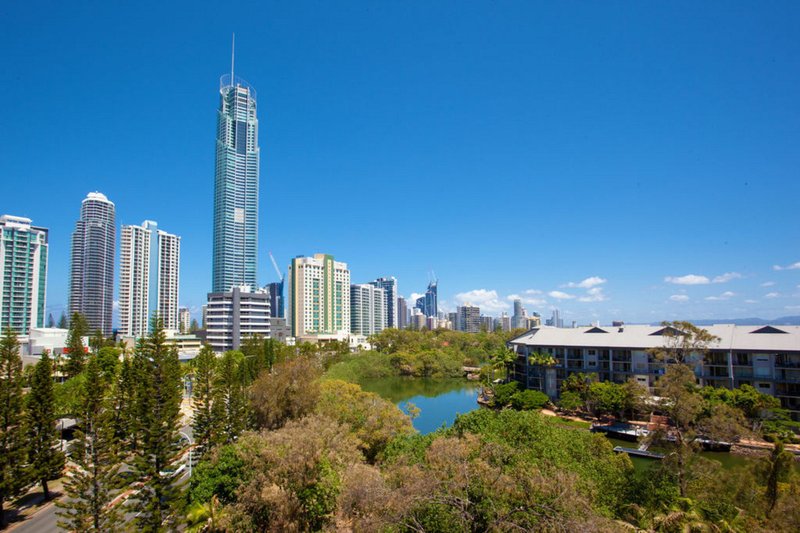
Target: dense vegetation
<point>438,354</point>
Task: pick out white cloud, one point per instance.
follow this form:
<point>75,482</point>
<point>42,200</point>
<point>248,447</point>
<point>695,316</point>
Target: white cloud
<point>768,284</point>
<point>413,298</point>
<point>751,301</point>
<point>726,277</point>
<point>115,304</point>
<point>488,301</point>
<point>793,307</point>
<point>558,295</point>
<point>724,296</point>
<point>533,291</point>
<point>679,298</point>
<point>793,266</point>
<point>595,294</point>
<point>689,279</point>
<point>772,295</point>
<point>588,283</point>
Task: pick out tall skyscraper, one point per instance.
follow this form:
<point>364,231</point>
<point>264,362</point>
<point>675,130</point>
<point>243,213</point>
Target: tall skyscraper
<point>428,303</point>
<point>367,309</point>
<point>149,278</point>
<point>94,245</point>
<point>236,186</point>
<point>23,274</point>
<point>389,285</point>
<point>319,296</point>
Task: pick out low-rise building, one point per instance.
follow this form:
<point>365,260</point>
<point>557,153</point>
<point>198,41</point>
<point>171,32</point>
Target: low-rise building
<point>765,357</point>
<point>233,316</point>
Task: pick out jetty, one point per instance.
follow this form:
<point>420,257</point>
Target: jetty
<point>638,452</point>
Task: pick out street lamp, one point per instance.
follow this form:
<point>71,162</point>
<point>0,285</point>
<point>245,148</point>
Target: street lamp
<point>191,445</point>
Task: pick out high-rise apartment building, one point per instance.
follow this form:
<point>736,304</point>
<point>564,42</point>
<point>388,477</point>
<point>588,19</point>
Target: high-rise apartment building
<point>23,274</point>
<point>469,318</point>
<point>236,187</point>
<point>367,309</point>
<point>487,323</point>
<point>389,285</point>
<point>428,303</point>
<point>318,296</point>
<point>149,278</point>
<point>184,319</point>
<point>94,241</point>
<point>402,313</point>
<point>234,315</point>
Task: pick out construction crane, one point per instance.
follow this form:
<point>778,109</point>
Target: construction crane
<point>275,264</point>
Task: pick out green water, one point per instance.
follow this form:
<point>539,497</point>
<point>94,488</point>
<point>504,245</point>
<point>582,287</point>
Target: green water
<point>728,460</point>
<point>439,400</point>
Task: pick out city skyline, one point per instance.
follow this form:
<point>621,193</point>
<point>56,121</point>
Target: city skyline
<point>666,146</point>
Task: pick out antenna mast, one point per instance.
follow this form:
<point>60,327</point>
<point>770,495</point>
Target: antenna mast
<point>233,50</point>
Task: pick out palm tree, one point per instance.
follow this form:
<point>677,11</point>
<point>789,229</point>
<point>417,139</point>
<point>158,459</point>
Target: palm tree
<point>204,517</point>
<point>504,358</point>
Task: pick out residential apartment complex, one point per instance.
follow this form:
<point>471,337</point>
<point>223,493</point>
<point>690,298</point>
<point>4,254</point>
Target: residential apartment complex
<point>91,288</point>
<point>368,309</point>
<point>765,357</point>
<point>469,318</point>
<point>184,320</point>
<point>234,315</point>
<point>23,274</point>
<point>389,285</point>
<point>318,302</point>
<point>149,278</point>
<point>236,187</point>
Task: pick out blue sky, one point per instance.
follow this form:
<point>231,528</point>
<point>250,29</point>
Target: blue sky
<point>584,155</point>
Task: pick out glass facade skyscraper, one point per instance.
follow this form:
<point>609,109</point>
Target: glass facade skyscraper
<point>94,244</point>
<point>236,187</point>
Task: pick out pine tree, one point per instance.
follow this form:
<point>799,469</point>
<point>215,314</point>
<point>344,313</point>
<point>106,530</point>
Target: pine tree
<point>230,397</point>
<point>91,488</point>
<point>77,351</point>
<point>194,326</point>
<point>13,448</point>
<point>204,423</point>
<point>46,460</point>
<point>159,395</point>
<point>124,404</point>
<point>96,341</point>
<point>51,322</point>
<point>62,321</point>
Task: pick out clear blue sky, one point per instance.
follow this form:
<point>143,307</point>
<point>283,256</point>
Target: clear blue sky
<point>512,147</point>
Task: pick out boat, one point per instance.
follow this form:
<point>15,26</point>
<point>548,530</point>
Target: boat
<point>618,430</point>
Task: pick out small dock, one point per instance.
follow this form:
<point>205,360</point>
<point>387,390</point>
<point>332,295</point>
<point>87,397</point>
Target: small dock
<point>639,452</point>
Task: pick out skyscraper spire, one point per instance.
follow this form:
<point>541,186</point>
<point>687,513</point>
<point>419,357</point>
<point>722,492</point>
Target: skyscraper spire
<point>233,50</point>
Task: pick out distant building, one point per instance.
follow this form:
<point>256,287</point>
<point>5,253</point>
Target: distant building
<point>184,319</point>
<point>319,296</point>
<point>367,309</point>
<point>203,316</point>
<point>234,315</point>
<point>188,346</point>
<point>556,321</point>
<point>469,318</point>
<point>402,313</point>
<point>418,320</point>
<point>453,319</point>
<point>428,303</point>
<point>503,322</point>
<point>149,278</point>
<point>23,274</point>
<point>487,323</point>
<point>276,298</point>
<point>279,329</point>
<point>94,245</point>
<point>389,285</point>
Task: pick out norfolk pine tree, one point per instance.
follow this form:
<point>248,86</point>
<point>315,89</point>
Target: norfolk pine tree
<point>204,424</point>
<point>13,449</point>
<point>46,460</point>
<point>230,406</point>
<point>159,392</point>
<point>77,355</point>
<point>91,487</point>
